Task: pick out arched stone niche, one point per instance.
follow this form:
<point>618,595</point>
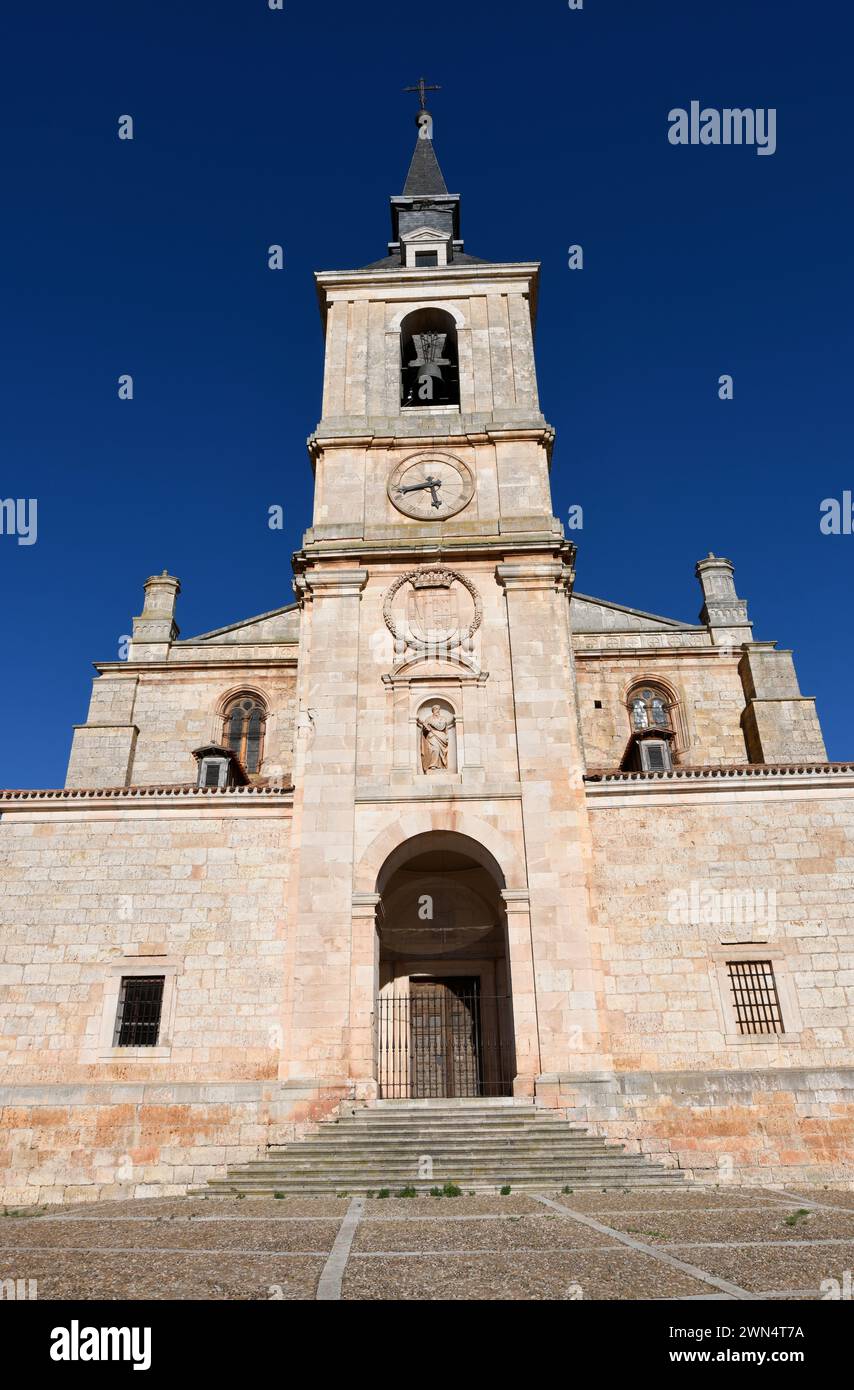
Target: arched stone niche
<point>436,736</point>
<point>416,687</point>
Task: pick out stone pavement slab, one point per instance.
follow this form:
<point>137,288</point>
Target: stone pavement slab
<point>137,1275</point>
<point>508,1233</point>
<point>699,1227</point>
<point>670,1199</point>
<point>764,1268</point>
<point>165,1234</point>
<point>615,1274</point>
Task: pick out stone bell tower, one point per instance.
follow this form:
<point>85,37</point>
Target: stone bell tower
<point>436,689</point>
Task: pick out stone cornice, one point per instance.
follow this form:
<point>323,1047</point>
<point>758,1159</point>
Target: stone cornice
<point>557,574</point>
<point>317,583</point>
<point>374,795</point>
<point>219,662</point>
<point>402,284</point>
<point>409,547</point>
<point>751,779</point>
<point>600,774</point>
<point>183,794</point>
<point>356,432</point>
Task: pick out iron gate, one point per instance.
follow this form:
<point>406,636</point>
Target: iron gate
<point>443,1039</point>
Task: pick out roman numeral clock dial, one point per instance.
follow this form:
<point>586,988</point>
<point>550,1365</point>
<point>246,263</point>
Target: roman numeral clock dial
<point>431,487</point>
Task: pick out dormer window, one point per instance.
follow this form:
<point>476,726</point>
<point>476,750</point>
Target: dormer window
<point>213,772</point>
<point>425,246</point>
<point>653,755</point>
<point>652,732</point>
<point>218,767</point>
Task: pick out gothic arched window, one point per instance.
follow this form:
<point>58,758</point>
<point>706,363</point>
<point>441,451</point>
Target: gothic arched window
<point>650,709</point>
<point>243,730</point>
<point>652,730</point>
<point>429,362</point>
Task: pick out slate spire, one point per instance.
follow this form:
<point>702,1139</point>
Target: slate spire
<point>425,176</point>
<point>425,201</point>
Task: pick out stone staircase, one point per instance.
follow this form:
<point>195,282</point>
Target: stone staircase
<point>480,1145</point>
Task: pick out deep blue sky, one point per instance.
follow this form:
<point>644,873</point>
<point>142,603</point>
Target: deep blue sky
<point>253,127</point>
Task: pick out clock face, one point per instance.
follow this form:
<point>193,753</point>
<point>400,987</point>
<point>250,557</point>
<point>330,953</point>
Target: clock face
<point>431,487</point>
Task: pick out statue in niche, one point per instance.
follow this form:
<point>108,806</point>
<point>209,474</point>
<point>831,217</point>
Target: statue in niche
<point>435,739</point>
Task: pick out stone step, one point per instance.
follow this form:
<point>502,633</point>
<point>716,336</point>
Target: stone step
<point>480,1145</point>
<point>411,1171</point>
<point>463,1126</point>
<point>473,1111</point>
<point>390,1152</point>
<point>472,1122</point>
<point>448,1135</point>
<point>473,1105</point>
<point>357,1185</point>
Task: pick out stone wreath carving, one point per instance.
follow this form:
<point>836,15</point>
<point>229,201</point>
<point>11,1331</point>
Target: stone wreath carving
<point>438,624</point>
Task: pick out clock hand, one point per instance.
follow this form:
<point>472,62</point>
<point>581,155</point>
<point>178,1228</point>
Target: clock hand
<point>432,483</point>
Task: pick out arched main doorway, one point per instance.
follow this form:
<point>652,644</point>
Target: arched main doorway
<point>444,1018</point>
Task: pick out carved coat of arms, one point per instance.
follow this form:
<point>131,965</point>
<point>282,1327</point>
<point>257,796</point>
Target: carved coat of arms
<point>432,610</point>
<point>432,607</point>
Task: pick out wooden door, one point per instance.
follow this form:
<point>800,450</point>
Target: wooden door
<point>444,1029</point>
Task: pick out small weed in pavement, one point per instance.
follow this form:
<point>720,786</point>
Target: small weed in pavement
<point>794,1217</point>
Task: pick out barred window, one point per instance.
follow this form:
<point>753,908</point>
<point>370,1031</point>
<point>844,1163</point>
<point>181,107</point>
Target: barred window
<point>138,1016</point>
<point>654,755</point>
<point>755,998</point>
<point>244,730</point>
<point>211,773</point>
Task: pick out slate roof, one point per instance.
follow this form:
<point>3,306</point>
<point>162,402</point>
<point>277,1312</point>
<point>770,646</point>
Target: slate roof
<point>393,262</point>
<point>425,176</point>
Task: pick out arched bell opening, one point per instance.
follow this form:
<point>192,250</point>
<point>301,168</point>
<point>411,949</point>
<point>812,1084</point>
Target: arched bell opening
<point>430,364</point>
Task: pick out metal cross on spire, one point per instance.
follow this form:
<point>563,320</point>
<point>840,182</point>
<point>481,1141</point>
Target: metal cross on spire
<point>422,88</point>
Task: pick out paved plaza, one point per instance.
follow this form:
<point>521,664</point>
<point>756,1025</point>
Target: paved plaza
<point>695,1243</point>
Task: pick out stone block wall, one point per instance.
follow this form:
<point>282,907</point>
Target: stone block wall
<point>777,731</point>
<point>189,886</point>
<point>143,725</point>
<point>686,880</point>
<point>709,711</point>
<point>781,1125</point>
<point>124,1139</point>
<point>102,755</point>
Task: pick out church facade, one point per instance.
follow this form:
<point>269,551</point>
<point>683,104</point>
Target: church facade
<point>442,827</point>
